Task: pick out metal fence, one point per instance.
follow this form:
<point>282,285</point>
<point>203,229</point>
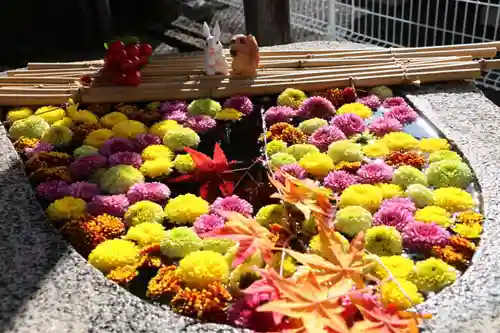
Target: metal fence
<point>408,23</point>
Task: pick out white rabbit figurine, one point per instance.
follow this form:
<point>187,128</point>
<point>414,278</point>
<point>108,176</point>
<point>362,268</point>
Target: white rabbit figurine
<point>215,61</point>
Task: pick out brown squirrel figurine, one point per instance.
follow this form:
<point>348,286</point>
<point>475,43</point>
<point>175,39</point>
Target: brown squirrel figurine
<point>245,53</point>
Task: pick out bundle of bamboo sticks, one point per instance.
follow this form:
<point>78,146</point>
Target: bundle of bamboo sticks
<point>170,77</point>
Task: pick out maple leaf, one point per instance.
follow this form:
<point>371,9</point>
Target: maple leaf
<point>250,235</point>
<point>317,306</point>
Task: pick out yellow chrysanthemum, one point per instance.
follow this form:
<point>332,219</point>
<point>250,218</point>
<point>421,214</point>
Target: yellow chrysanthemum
<point>390,190</point>
<point>113,118</point>
<point>434,214</point>
<point>228,114</point>
<point>367,196</point>
<point>19,113</point>
<point>376,149</point>
<point>356,108</point>
<point>66,121</point>
<point>453,199</point>
<point>160,167</point>
<point>67,208</point>
<point>470,217</point>
<point>184,163</point>
<point>97,138</point>
<point>84,116</point>
<point>114,253</point>
<point>146,233</point>
<point>184,209</point>
<point>400,141</point>
<point>432,275</point>
<point>430,145</point>
<point>129,129</point>
<point>398,266</point>
<point>392,294</point>
<point>51,114</point>
<point>292,98</point>
<point>201,268</point>
<point>157,151</point>
<point>317,164</point>
<point>161,128</point>
<point>472,231</point>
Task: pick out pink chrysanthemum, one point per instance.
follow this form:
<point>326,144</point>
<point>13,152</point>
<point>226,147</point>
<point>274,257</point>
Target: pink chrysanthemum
<point>52,190</point>
<point>83,190</point>
<point>421,237</point>
<point>279,114</point>
<point>393,216</point>
<point>156,192</point>
<point>338,181</point>
<point>244,312</point>
<point>324,136</point>
<point>394,101</point>
<point>86,165</point>
<point>40,147</point>
<point>173,106</point>
<point>232,203</point>
<point>316,107</point>
<point>115,205</point>
<point>125,158</point>
<point>349,123</point>
<point>371,101</point>
<point>201,124</point>
<point>404,114</point>
<point>294,170</point>
<point>403,203</point>
<point>242,104</point>
<point>144,140</point>
<point>384,125</point>
<point>208,222</point>
<point>178,116</point>
<point>116,145</point>
<point>375,172</point>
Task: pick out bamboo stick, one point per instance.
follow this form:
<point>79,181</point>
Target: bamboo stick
<point>35,80</point>
<point>40,91</point>
<point>33,99</point>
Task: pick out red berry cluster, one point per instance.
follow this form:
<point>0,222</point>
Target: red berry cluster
<point>122,62</point>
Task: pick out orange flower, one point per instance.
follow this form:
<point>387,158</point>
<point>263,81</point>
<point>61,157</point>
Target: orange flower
<point>286,133</point>
<point>398,158</point>
<point>209,301</point>
<point>55,173</point>
<point>164,283</point>
<point>463,246</point>
<point>448,255</point>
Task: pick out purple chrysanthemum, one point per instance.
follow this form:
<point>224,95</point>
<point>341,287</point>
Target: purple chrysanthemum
<point>324,136</point>
<point>173,106</point>
<point>40,147</point>
<point>83,190</point>
<point>201,124</point>
<point>242,104</point>
<point>404,114</point>
<point>52,190</point>
<point>294,170</point>
<point>279,114</point>
<point>394,101</point>
<point>403,203</point>
<point>375,172</point>
<point>371,101</point>
<point>156,192</point>
<point>338,181</point>
<point>384,125</point>
<point>86,165</point>
<point>421,237</point>
<point>349,123</point>
<point>232,203</point>
<point>316,107</point>
<point>178,116</point>
<point>125,158</point>
<point>393,216</point>
<point>145,140</point>
<point>208,222</point>
<point>116,145</point>
<point>115,205</point>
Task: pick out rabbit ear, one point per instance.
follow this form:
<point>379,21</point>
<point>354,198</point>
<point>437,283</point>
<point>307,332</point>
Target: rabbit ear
<point>206,30</point>
<point>217,31</point>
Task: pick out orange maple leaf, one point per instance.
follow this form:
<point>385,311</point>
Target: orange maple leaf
<point>317,306</point>
<point>250,235</point>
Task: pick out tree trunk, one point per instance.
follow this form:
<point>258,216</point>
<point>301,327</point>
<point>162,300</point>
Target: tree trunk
<point>268,21</point>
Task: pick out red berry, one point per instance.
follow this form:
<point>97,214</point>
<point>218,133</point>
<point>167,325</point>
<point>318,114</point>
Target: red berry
<point>116,45</point>
<point>126,64</point>
<point>349,94</point>
<point>144,60</point>
<point>119,78</point>
<point>133,78</point>
<point>146,50</point>
<point>120,55</point>
<point>133,51</point>
<point>136,61</point>
<point>86,79</point>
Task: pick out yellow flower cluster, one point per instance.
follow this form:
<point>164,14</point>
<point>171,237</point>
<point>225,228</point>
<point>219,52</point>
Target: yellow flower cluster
<point>129,129</point>
<point>453,199</point>
<point>398,266</point>
<point>430,145</point>
<point>400,141</point>
<point>434,214</point>
<point>317,164</point>
<point>356,108</point>
<point>184,209</point>
<point>114,253</point>
<point>367,196</point>
<point>67,208</point>
<point>200,268</point>
<point>401,293</point>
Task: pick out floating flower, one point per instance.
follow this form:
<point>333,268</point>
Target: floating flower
<point>430,145</point>
<point>173,106</point>
<point>125,158</point>
<point>184,163</point>
<point>275,146</point>
<point>421,237</point>
<point>228,114</point>
<point>280,159</point>
<point>179,242</point>
<point>371,101</point>
<point>54,173</point>
<point>201,268</point>
<point>338,181</point>
<point>116,145</point>
<point>376,149</point>
<point>403,203</point>
<point>390,191</point>
<point>383,241</point>
<point>58,136</point>
<point>400,141</point>
<point>316,107</point>
<point>349,123</point>
<point>310,125</point>
<point>471,231</point>
<point>270,214</point>
<point>218,245</point>
<point>177,116</point>
<point>286,133</point>
<point>157,168</point>
<point>129,129</point>
<point>315,244</point>
<point>157,151</point>
<point>98,137</point>
<point>293,170</point>
<point>392,102</point>
<point>300,150</point>
<point>18,114</point>
<point>67,208</point>
<point>142,141</point>
<point>449,255</point>
<point>85,151</point>
<point>179,138</point>
<point>434,214</point>
<point>114,253</point>
<point>242,104</point>
<point>186,208</point>
<point>115,205</point>
<point>66,121</point>
<point>375,172</point>
<point>52,190</point>
<point>345,151</point>
<point>449,173</point>
<point>351,167</point>
<point>401,299</point>
<point>406,175</point>
<point>363,138</point>
<point>31,127</point>
<point>353,219</point>
<point>113,118</point>
<point>83,190</point>
<point>355,108</point>
<point>201,124</point>
<point>469,217</point>
<point>82,130</point>
<point>453,199</point>
<point>50,113</point>
<point>421,195</point>
<point>156,192</point>
<point>432,275</point>
<point>231,204</point>
<point>206,302</point>
<point>326,135</point>
<point>366,196</point>
<point>144,212</point>
<point>47,160</point>
<point>164,283</point>
<point>383,92</point>
<point>120,178</point>
<point>385,125</point>
<point>393,216</point>
<point>398,158</point>
<point>292,98</point>
<point>464,246</point>
<point>161,128</point>
<point>398,267</point>
<point>403,113</point>
<point>317,164</point>
<point>207,107</point>
<point>208,222</point>
<point>441,155</point>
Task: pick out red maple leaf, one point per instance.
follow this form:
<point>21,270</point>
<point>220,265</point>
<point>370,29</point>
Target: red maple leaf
<point>214,174</point>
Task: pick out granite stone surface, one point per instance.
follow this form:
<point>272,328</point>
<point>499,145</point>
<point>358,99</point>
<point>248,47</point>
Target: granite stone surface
<point>45,286</point>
